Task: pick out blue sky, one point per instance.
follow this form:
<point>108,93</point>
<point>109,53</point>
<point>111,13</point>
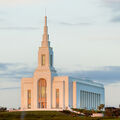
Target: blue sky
<point>84,34</point>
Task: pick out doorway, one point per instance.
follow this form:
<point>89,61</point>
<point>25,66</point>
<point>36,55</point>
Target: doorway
<point>42,95</point>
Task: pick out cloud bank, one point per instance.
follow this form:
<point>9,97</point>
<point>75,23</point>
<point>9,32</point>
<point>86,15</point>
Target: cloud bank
<point>19,28</point>
<point>15,72</point>
<point>17,2</point>
<point>106,75</point>
<point>114,5</point>
<point>116,19</point>
<point>75,24</point>
<point>113,1</point>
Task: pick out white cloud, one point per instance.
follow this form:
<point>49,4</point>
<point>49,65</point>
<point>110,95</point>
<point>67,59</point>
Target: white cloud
<point>112,0</point>
<point>17,2</point>
<point>113,4</point>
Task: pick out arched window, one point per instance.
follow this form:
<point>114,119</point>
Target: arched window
<point>42,96</point>
<point>29,99</point>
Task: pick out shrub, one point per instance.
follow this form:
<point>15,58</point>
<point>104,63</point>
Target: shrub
<point>3,109</point>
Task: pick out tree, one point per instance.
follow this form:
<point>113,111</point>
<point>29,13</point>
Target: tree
<point>3,109</point>
<point>101,106</point>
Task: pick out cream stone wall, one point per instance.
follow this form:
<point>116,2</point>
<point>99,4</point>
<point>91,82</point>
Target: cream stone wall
<point>47,76</point>
<point>26,84</point>
<point>61,82</point>
<point>32,84</point>
<point>74,94</point>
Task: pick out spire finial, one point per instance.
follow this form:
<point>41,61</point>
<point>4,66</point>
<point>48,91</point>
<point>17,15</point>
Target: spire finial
<point>45,41</point>
<point>45,20</point>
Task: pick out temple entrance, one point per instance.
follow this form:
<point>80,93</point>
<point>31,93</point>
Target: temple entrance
<point>42,95</point>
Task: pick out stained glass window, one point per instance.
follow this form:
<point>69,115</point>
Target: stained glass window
<point>57,98</point>
<point>29,99</point>
<point>42,93</point>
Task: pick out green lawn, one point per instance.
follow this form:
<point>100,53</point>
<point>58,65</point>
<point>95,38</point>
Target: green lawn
<point>44,115</point>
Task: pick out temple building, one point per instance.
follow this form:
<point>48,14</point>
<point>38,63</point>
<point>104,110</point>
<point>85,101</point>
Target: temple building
<point>46,90</point>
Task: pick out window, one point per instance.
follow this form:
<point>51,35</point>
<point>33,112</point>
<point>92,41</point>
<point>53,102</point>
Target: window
<point>43,91</point>
<point>43,60</point>
<point>29,99</point>
<point>42,100</point>
<point>51,60</point>
<point>57,98</point>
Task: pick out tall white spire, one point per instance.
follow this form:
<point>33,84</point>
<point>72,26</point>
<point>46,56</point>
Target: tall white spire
<point>45,26</point>
<point>45,39</point>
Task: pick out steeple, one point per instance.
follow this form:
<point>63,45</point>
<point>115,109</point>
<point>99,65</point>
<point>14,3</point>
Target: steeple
<point>45,26</point>
<point>45,39</point>
<point>45,53</point>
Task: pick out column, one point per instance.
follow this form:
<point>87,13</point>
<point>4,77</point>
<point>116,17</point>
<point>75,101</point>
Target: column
<point>90,100</point>
<point>80,99</point>
<point>99,99</point>
<point>95,100</point>
<point>85,100</point>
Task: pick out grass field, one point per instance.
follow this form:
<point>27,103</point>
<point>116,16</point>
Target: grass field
<point>44,115</point>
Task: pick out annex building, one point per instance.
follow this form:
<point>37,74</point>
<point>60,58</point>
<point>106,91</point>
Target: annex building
<point>47,90</point>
